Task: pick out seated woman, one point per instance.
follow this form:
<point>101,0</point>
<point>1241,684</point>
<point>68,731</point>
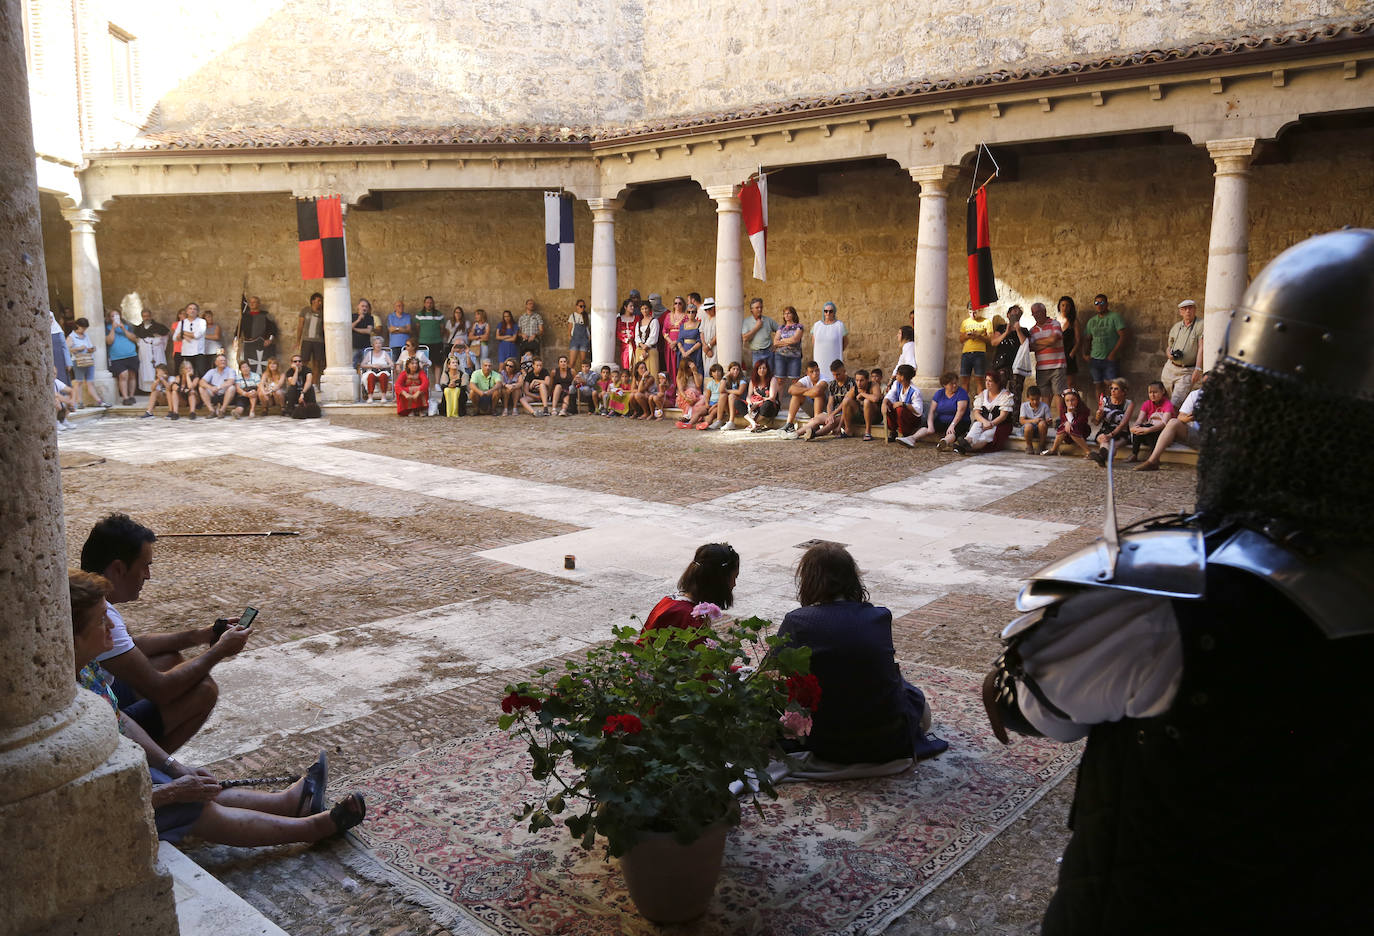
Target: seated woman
<point>762,396</point>
<point>709,577</point>
<point>868,712</point>
<point>992,418</point>
<point>1113,417</point>
<point>412,389</point>
<point>249,383</point>
<point>186,389</point>
<point>948,415</point>
<point>272,387</point>
<point>700,414</point>
<point>190,800</point>
<point>512,386</point>
<point>375,369</point>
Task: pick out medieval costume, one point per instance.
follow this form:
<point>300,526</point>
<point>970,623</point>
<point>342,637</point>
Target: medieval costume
<point>1217,662</point>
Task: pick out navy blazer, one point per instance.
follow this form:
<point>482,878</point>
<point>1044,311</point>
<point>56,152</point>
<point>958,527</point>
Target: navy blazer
<point>868,713</point>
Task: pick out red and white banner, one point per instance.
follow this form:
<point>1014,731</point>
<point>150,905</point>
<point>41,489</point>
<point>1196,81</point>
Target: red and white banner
<point>753,201</point>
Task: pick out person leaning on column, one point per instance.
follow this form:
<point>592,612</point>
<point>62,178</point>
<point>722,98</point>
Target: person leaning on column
<point>1183,356</point>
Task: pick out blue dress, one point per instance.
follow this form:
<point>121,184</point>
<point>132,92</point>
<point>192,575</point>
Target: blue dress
<point>868,712</point>
<point>688,337</point>
<point>505,344</point>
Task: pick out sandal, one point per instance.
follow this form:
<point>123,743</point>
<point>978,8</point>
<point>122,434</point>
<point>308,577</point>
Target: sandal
<point>348,812</point>
<point>312,791</point>
<point>868,437</point>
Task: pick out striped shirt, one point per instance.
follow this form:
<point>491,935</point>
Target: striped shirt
<point>1053,356</point>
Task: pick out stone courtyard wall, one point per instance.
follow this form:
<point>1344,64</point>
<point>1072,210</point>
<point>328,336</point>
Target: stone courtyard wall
<point>1077,223</point>
<point>578,63</point>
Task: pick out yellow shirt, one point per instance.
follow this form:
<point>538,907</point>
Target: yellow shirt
<point>980,329</point>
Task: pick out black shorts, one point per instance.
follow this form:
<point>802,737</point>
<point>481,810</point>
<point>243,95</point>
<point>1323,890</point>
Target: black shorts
<point>142,711</point>
<point>123,365</point>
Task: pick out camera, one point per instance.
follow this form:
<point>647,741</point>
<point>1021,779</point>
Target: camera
<point>1176,354</point>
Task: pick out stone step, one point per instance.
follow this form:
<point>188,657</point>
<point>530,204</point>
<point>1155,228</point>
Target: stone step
<point>205,907</point>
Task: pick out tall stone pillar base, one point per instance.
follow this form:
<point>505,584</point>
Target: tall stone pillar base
<point>81,856</point>
<point>931,293</point>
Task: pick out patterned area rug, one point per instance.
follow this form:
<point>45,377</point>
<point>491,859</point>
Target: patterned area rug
<point>843,858</point>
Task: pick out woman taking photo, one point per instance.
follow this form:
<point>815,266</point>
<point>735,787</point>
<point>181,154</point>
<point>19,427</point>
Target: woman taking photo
<point>709,578</point>
<point>868,712</point>
<point>82,349</point>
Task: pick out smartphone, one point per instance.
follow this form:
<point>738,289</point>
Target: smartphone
<point>246,618</point>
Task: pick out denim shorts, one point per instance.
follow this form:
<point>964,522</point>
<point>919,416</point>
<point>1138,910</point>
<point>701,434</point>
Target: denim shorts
<point>973,362</point>
<point>84,373</point>
<point>789,367</point>
<point>1102,370</point>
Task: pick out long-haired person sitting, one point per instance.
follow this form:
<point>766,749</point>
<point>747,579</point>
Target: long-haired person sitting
<point>709,578</point>
<point>868,712</point>
<point>189,800</point>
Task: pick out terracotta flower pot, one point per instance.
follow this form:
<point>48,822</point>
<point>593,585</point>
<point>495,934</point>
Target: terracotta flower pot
<point>670,882</point>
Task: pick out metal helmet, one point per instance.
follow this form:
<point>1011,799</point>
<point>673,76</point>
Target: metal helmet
<point>1310,315</point>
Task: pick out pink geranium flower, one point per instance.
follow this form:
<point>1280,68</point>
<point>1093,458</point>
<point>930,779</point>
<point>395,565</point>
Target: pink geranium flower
<point>795,724</point>
<point>707,610</point>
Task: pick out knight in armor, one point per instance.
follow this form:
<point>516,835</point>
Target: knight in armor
<point>1219,663</point>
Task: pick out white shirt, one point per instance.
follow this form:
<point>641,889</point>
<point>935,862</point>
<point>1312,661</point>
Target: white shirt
<point>1189,402</point>
<point>908,356</point>
<point>192,336</point>
<point>911,396</point>
<point>374,359</point>
<point>828,342</point>
<point>807,383</point>
<point>1105,656</point>
<point>646,333</point>
<point>708,335</point>
<point>119,633</point>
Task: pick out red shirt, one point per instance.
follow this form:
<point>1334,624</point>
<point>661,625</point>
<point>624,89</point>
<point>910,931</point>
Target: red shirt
<point>673,612</point>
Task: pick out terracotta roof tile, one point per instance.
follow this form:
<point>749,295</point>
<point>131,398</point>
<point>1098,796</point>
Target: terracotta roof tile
<point>278,137</point>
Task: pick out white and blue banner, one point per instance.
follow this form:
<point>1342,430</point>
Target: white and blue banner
<point>558,239</point>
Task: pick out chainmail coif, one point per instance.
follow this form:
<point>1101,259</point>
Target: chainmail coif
<point>1277,448</point>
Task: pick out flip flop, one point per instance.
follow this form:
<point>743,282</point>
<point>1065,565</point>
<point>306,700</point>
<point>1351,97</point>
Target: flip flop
<point>313,790</point>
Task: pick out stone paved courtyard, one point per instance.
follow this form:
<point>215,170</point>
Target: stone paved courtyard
<point>429,572</point>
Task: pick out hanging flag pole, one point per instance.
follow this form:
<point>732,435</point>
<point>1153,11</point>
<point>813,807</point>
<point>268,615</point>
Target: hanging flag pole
<point>753,200</point>
<point>982,283</point>
<point>558,239</point>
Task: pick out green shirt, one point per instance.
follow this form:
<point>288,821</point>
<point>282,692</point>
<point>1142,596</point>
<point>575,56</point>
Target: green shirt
<point>1103,330</point>
<point>431,325</point>
<point>485,382</point>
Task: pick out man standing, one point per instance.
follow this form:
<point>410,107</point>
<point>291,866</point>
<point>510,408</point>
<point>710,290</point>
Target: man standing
<point>757,332</point>
<point>1107,334</point>
<point>168,695</point>
<point>311,329</point>
<point>218,387</point>
<point>190,331</point>
<point>362,328</point>
<point>398,327</point>
<point>531,330</point>
<point>257,336</point>
<point>708,335</point>
<point>1183,357</point>
<point>829,336</point>
<point>1047,343</point>
<point>974,332</point>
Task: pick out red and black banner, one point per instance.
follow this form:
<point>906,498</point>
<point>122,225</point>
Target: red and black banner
<point>319,228</point>
<point>982,285</point>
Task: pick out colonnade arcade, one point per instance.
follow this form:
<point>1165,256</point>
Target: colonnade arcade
<point>1229,105</point>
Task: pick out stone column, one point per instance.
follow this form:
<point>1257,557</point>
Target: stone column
<point>87,298</point>
<point>729,278</point>
<point>931,300</point>
<point>80,848</point>
<point>1228,251</point>
<point>336,383</point>
<point>604,285</point>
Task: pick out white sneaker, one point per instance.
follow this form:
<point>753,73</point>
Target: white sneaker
<point>789,434</point>
<point>909,441</point>
<point>715,425</point>
<point>62,427</point>
<point>729,427</point>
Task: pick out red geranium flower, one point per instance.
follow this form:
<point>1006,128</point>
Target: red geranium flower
<point>805,691</point>
<point>630,724</point>
<point>516,701</point>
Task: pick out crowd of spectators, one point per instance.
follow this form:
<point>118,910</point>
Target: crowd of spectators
<point>1018,375</point>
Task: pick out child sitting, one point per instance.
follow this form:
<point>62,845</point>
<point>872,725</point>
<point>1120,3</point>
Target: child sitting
<point>1035,421</point>
<point>700,415</point>
<point>1154,414</point>
<point>161,384</point>
<point>618,397</point>
<point>603,391</point>
<point>1073,425</point>
<point>663,396</point>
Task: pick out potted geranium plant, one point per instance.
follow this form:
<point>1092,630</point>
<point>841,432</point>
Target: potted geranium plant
<point>639,743</point>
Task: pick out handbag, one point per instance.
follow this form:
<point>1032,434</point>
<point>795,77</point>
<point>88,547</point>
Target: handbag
<point>1023,365</point>
<point>83,359</point>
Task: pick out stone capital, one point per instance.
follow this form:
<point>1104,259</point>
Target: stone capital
<point>724,195</point>
<point>82,220</point>
<point>934,180</point>
<point>604,209</point>
<point>1232,156</point>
